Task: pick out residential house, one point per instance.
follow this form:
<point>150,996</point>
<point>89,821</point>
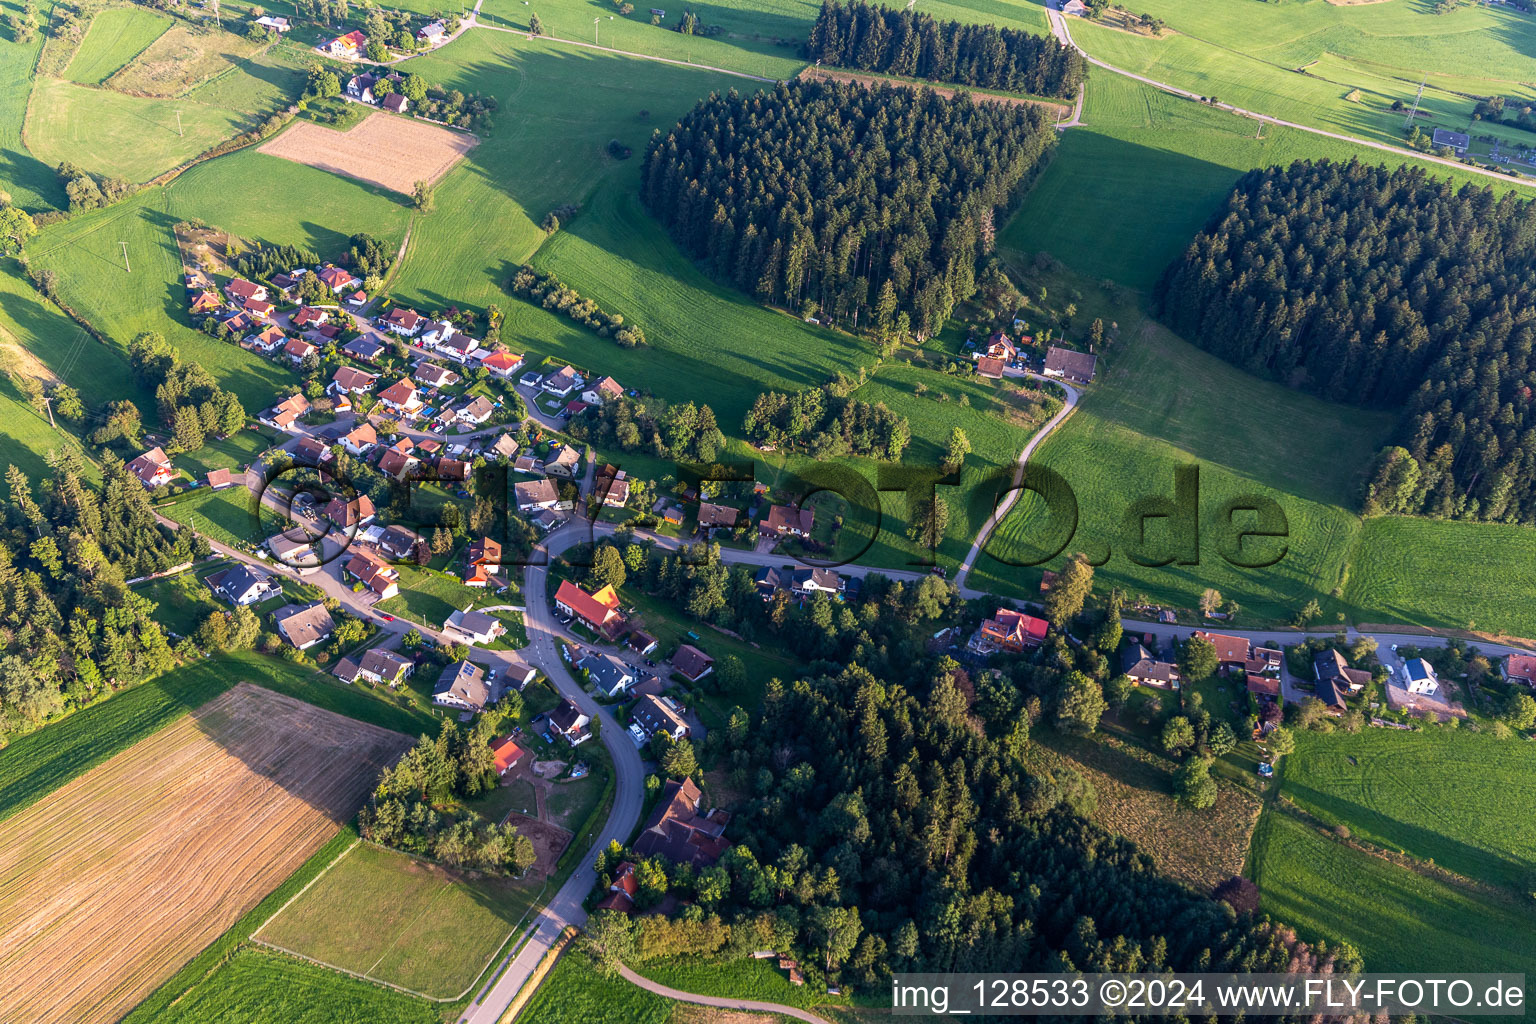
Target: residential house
<point>206,301</point>
<point>435,376</point>
<point>1009,630</point>
<point>1000,346</point>
<point>504,447</point>
<point>368,568</point>
<point>1141,666</point>
<point>241,291</point>
<point>153,468</point>
<point>285,414</point>
<point>562,382</point>
<point>1521,668</point>
<point>516,672</point>
<point>462,685</point>
<point>276,24</point>
<point>404,322</point>
<point>717,517</point>
<point>536,495</point>
<point>1069,364</point>
<point>608,675</point>
<point>452,469</point>
<point>563,461</point>
<point>363,348</point>
<point>360,439</point>
<point>258,308</point>
<point>545,519</point>
<point>1231,651</point>
<point>508,755</point>
<point>303,625</point>
<point>349,515</point>
<point>435,333</point>
<point>401,397</point>
<point>482,562</point>
<point>641,642</point>
<point>612,484</point>
<point>360,87</point>
<point>1329,669</point>
<point>812,580</point>
<point>1265,688</point>
<point>527,464</point>
<point>398,542</point>
<point>772,579</point>
<point>655,714</point>
<point>1419,677</point>
<point>1264,659</point>
<point>239,321</point>
<point>311,451</point>
<point>990,368</point>
<point>602,390</point>
<point>386,667</point>
<point>476,411</point>
<point>570,722</point>
<point>461,348</point>
<point>1457,142</point>
<point>691,663</point>
<point>621,894</point>
<point>501,364</point>
<point>337,279</point>
<point>353,381</point>
<point>787,520</point>
<point>219,479</point>
<point>396,464</point>
<point>1077,8</point>
<point>357,300</point>
<point>306,316</point>
<point>474,627</point>
<point>297,350</point>
<point>598,612</point>
<point>242,585</point>
<point>679,831</point>
<point>396,103</point>
<point>295,552</point>
<point>349,45</point>
<point>432,33</point>
<point>266,341</point>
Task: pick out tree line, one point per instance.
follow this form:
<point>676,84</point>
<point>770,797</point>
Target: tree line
<point>910,44</point>
<point>189,397</point>
<point>1385,288</point>
<point>867,206</point>
<point>826,422</point>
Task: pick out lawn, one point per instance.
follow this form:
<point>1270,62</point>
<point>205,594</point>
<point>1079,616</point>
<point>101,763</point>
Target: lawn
<point>394,918</point>
<point>1250,55</point>
<point>183,600</point>
<point>1127,191</point>
<point>1459,799</point>
<point>429,597</point>
<point>116,35</point>
<point>575,993</point>
<point>1398,919</point>
<point>225,515</point>
<point>111,133</point>
<point>238,451</point>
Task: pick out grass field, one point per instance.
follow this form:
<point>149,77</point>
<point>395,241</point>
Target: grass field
<point>1459,799</point>
<point>1399,920</point>
<point>1250,56</point>
<point>31,182</point>
<point>133,137</point>
<point>182,59</point>
<point>115,37</point>
<point>241,791</point>
<point>575,993</point>
<point>184,600</point>
<point>739,979</point>
<point>224,515</point>
<point>429,598</point>
<point>389,916</point>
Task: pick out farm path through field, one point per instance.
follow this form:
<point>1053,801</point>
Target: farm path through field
<point>1063,33</point>
<point>750,1005</point>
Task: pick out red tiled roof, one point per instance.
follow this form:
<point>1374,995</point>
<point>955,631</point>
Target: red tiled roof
<point>595,609</point>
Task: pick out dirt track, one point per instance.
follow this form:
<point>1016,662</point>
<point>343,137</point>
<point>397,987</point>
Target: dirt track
<point>383,149</point>
<point>111,883</point>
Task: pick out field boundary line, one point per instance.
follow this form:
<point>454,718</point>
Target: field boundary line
<point>342,970</point>
<point>319,875</point>
<point>405,930</point>
<point>631,53</point>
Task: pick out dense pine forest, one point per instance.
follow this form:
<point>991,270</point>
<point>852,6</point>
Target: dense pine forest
<point>872,37</point>
<point>868,207</point>
<point>1384,288</point>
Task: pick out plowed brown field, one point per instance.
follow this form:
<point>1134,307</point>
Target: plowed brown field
<point>114,881</point>
<point>395,152</point>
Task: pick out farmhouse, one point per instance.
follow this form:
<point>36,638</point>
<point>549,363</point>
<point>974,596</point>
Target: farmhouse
<point>599,611</point>
<point>678,831</point>
<point>152,468</point>
<point>570,722</point>
<point>1143,667</point>
<point>360,87</point>
<point>607,674</point>
<point>787,520</point>
<point>462,685</point>
<point>691,663</point>
<point>395,103</point>
<point>1009,630</point>
<point>241,585</point>
<point>303,625</point>
<point>1069,364</point>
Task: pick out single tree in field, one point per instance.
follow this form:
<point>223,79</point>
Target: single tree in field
<point>1210,602</point>
<point>1069,592</point>
<point>535,26</point>
<point>956,450</point>
<point>424,196</point>
<point>1192,783</point>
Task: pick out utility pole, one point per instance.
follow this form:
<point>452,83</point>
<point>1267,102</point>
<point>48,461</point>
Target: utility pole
<point>594,31</point>
<point>48,401</point>
<point>126,265</point>
<point>178,123</point>
<point>1414,112</point>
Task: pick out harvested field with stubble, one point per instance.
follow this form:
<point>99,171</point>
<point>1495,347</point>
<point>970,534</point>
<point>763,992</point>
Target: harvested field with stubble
<point>393,152</point>
<point>111,883</point>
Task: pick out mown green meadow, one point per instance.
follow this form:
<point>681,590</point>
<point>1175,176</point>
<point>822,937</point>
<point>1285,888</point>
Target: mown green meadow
<point>575,993</point>
<point>116,35</point>
<point>1460,799</point>
<point>32,183</point>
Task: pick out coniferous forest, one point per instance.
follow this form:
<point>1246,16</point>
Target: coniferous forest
<point>871,37</point>
<point>1390,289</point>
<point>869,207</point>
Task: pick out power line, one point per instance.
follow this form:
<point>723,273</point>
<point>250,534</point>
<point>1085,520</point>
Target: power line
<point>1414,111</point>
